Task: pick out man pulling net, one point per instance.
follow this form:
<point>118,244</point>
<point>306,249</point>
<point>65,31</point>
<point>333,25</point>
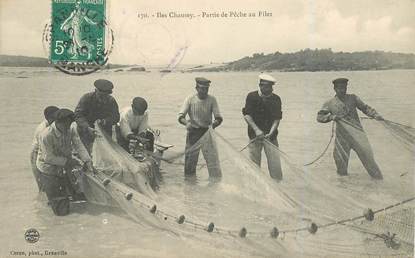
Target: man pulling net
<point>200,107</point>
<point>262,113</point>
<point>55,160</point>
<point>97,106</point>
<point>349,131</point>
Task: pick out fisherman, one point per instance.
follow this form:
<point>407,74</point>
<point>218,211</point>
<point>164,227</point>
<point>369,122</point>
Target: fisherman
<point>199,107</point>
<point>98,106</point>
<point>49,114</point>
<point>349,131</point>
<point>134,125</point>
<point>55,160</point>
<point>262,113</point>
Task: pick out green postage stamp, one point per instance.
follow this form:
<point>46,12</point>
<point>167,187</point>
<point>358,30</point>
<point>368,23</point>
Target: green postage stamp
<point>78,35</point>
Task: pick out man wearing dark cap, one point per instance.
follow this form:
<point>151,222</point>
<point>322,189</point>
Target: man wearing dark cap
<point>262,113</point>
<point>49,114</point>
<point>349,131</point>
<point>134,125</point>
<point>55,159</point>
<point>98,106</point>
<point>199,107</point>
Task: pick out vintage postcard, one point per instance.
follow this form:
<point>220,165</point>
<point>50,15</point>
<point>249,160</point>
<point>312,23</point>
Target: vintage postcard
<point>256,128</point>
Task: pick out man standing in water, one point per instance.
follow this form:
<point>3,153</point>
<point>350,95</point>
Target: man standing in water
<point>262,113</point>
<point>199,107</point>
<point>349,131</point>
<point>49,114</point>
<point>98,106</point>
<point>55,159</point>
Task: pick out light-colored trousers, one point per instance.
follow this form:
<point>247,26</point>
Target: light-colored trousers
<point>353,138</point>
<point>209,150</point>
<point>272,154</point>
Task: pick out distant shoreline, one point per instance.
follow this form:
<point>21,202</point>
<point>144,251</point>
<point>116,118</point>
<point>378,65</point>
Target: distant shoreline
<point>318,60</point>
<point>307,60</point>
<point>211,70</point>
<point>127,70</point>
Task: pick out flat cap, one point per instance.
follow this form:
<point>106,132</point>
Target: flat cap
<point>340,80</point>
<point>202,81</point>
<point>50,111</point>
<point>104,85</point>
<point>63,114</point>
<point>267,77</point>
<point>139,103</point>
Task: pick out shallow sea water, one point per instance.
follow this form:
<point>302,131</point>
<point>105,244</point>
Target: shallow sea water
<point>92,230</point>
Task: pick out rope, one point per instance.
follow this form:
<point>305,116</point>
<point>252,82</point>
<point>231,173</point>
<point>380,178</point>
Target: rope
<point>307,164</point>
<point>251,141</point>
<point>389,121</point>
<point>220,230</point>
<point>333,133</point>
<point>314,160</point>
<point>325,149</point>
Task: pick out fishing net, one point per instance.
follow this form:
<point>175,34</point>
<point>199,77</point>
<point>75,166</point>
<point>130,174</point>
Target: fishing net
<point>403,133</point>
<point>240,174</point>
<point>236,174</point>
<point>396,228</point>
<point>311,210</point>
<point>113,160</point>
<point>312,195</point>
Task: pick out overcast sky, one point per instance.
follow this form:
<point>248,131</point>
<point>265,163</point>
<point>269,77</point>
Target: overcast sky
<point>343,25</point>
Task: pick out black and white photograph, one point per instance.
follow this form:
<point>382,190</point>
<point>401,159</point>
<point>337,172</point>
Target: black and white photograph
<point>251,128</point>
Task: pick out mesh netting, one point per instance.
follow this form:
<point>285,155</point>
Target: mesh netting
<point>352,220</point>
<point>404,134</point>
<point>237,174</point>
<point>313,195</point>
<point>113,160</point>
<point>396,226</point>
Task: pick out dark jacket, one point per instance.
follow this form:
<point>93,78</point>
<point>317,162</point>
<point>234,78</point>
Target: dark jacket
<point>89,109</point>
<point>264,111</point>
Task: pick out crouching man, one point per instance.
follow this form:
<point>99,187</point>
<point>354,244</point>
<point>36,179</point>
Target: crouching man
<point>134,126</point>
<point>55,159</point>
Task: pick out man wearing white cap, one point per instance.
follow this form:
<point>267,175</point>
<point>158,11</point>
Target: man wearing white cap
<point>262,113</point>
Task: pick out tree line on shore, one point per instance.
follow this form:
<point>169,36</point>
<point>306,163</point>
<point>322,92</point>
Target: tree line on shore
<point>321,60</point>
<point>303,60</point>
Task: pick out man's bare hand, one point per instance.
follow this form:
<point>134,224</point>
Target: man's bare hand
<point>335,118</point>
<point>268,136</point>
<point>379,118</point>
<point>215,124</point>
<point>90,167</point>
<point>259,134</point>
<point>102,122</point>
<point>93,132</point>
<point>71,163</point>
<point>189,126</point>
